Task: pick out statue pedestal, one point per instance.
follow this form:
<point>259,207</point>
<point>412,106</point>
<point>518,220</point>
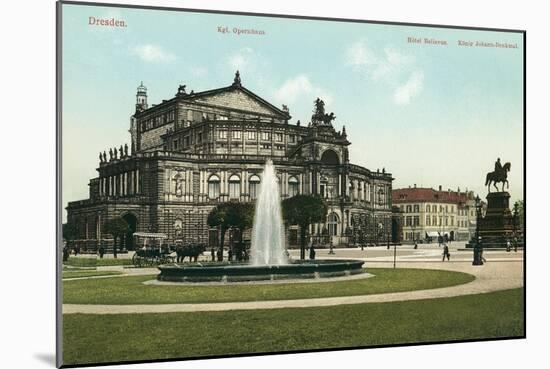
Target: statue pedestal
<point>497,226</point>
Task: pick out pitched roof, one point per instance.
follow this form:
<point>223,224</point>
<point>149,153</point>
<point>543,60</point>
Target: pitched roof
<point>407,195</point>
<point>230,88</point>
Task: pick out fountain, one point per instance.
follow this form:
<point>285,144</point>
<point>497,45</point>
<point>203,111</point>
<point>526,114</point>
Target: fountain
<point>267,246</point>
<point>268,254</point>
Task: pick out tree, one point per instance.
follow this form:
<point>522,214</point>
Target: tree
<point>304,210</point>
<point>235,215</point>
<point>218,218</point>
<point>240,217</point>
<point>69,233</point>
<point>519,210</point>
<point>117,227</point>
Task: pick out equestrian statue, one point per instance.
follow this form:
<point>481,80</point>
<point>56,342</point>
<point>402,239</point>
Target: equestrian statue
<point>500,174</point>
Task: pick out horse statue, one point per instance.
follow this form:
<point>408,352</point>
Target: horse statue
<point>498,176</point>
<point>191,250</point>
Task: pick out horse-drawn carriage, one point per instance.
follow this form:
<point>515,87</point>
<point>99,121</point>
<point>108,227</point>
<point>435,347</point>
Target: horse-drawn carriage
<point>151,250</point>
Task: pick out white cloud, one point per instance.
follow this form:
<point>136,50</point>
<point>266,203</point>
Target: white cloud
<point>242,59</point>
<point>301,87</point>
<point>404,93</point>
<point>391,67</point>
<point>153,54</point>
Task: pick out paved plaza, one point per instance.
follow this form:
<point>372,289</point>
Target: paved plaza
<point>502,270</point>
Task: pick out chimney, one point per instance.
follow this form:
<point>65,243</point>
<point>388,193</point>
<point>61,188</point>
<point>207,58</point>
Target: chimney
<point>440,187</point>
<point>415,185</point>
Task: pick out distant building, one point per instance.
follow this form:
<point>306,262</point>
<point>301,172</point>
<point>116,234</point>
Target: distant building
<point>198,149</point>
<point>429,213</point>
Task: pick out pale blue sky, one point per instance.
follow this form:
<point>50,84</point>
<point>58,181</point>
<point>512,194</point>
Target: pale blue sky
<point>429,114</point>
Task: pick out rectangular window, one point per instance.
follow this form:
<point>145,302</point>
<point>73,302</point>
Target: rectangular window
<point>279,137</point>
<point>266,136</point>
<point>213,189</point>
<point>428,220</point>
<point>292,139</point>
<point>237,135</point>
<point>251,135</point>
<point>253,189</point>
<point>175,144</point>
<point>234,190</point>
<point>197,116</point>
<point>222,134</point>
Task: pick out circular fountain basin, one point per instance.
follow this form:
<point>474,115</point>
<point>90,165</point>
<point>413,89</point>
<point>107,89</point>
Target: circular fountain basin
<point>241,272</point>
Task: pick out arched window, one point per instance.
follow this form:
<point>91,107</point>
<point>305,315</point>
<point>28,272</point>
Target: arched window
<point>329,157</point>
<point>253,186</point>
<point>332,222</point>
<point>234,187</point>
<point>427,208</point>
<point>293,186</point>
<point>213,187</point>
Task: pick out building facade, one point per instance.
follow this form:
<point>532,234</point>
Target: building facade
<point>429,213</point>
<point>199,149</point>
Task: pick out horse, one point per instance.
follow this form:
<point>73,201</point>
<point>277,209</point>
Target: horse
<point>192,250</point>
<point>494,178</point>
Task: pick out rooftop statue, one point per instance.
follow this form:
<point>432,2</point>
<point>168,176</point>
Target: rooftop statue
<point>319,116</point>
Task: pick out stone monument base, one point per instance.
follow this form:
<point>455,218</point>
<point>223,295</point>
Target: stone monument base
<point>497,226</point>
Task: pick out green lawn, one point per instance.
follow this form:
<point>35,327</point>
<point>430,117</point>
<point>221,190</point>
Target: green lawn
<point>107,338</point>
<point>130,290</point>
<point>95,262</point>
<point>87,273</point>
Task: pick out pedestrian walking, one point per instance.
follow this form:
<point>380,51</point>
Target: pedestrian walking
<point>481,256</point>
<point>312,253</point>
<point>101,251</point>
<point>508,246</point>
<point>446,253</point>
<point>213,254</point>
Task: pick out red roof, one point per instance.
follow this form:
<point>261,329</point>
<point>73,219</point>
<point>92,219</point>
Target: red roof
<point>407,195</point>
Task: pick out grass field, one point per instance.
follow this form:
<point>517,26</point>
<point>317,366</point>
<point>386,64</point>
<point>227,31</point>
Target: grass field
<point>130,290</point>
<point>87,273</point>
<point>107,338</point>
<point>95,262</point>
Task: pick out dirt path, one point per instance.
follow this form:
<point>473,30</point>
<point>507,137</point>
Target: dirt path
<point>493,276</point>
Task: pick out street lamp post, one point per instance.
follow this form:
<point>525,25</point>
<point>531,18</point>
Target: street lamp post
<point>478,247</point>
<point>515,225</point>
<point>331,249</point>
